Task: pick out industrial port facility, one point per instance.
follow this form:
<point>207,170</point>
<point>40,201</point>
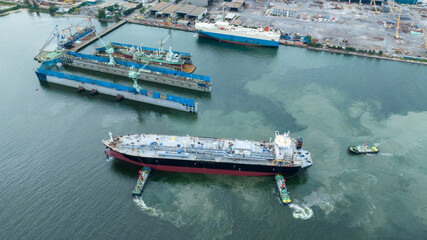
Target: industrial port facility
<point>136,62</point>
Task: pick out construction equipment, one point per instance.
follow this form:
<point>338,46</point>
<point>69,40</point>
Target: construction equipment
<point>397,25</point>
<point>375,7</point>
<point>69,4</point>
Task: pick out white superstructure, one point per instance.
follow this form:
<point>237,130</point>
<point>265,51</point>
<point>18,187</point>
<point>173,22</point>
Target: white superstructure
<point>221,27</point>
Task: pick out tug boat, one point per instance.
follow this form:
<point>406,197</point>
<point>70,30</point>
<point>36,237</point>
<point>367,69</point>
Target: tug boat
<point>142,179</point>
<point>284,195</point>
<point>363,149</point>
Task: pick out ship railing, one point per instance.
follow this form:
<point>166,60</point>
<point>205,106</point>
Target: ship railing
<point>265,159</point>
<point>145,48</point>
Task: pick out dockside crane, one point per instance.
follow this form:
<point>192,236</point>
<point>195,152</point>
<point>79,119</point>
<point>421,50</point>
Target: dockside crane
<point>425,39</point>
<point>398,23</point>
<point>133,74</point>
<point>392,10</point>
<point>375,7</point>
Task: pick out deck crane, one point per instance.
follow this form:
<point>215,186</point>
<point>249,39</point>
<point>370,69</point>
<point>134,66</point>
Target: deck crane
<point>108,49</point>
<point>161,42</point>
<point>397,25</point>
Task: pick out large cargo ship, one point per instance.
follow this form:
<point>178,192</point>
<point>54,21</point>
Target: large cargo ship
<point>178,61</point>
<point>69,35</point>
<point>223,31</point>
<point>284,155</point>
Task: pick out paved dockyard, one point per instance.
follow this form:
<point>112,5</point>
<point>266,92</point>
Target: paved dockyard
<point>346,25</point>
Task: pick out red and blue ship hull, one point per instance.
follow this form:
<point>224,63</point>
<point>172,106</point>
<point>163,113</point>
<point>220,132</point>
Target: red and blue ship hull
<point>239,39</point>
<point>205,167</point>
<point>77,36</point>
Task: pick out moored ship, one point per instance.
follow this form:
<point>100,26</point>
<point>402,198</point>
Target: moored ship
<point>284,155</point>
<point>69,35</point>
<point>179,61</point>
<point>223,31</point>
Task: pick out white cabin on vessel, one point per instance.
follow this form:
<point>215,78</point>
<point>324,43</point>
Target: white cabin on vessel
<point>283,147</point>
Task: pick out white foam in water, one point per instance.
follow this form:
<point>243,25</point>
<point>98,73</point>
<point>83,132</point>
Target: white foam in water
<point>301,211</point>
<point>386,154</point>
<point>150,210</point>
<point>109,159</point>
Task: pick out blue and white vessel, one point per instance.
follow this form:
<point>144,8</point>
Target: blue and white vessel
<point>225,32</point>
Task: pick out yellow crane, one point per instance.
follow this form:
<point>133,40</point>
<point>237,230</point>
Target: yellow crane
<point>397,25</point>
<point>391,9</point>
<point>375,6</point>
<point>425,39</point>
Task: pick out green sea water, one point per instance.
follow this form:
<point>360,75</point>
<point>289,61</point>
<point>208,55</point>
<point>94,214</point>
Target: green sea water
<point>56,182</point>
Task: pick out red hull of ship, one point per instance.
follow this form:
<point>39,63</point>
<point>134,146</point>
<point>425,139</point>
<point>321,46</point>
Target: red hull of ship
<point>120,156</point>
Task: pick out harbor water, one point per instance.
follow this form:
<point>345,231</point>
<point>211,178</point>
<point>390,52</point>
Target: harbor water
<point>56,182</point>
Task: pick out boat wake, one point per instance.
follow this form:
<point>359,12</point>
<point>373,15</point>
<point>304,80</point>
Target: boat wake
<point>171,217</point>
<point>386,154</point>
<point>150,210</point>
<point>301,211</point>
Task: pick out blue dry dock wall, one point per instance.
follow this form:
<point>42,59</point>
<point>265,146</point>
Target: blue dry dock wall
<point>142,48</point>
<point>138,66</point>
<point>42,69</point>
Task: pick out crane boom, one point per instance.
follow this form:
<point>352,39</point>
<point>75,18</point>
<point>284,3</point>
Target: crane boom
<point>398,22</point>
<point>375,6</point>
<point>425,39</point>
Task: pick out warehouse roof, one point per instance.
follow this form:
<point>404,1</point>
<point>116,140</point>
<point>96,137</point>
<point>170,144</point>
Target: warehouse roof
<point>196,12</point>
<point>159,6</point>
<point>170,9</point>
<point>186,9</point>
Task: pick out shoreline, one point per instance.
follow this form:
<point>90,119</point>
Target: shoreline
<point>191,29</point>
<point>12,11</point>
<point>389,58</point>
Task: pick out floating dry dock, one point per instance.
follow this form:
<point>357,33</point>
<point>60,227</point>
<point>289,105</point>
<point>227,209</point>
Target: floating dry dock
<point>149,73</point>
<point>112,89</point>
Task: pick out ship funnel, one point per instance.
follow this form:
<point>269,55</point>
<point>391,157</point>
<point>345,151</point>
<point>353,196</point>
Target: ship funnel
<point>299,142</point>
